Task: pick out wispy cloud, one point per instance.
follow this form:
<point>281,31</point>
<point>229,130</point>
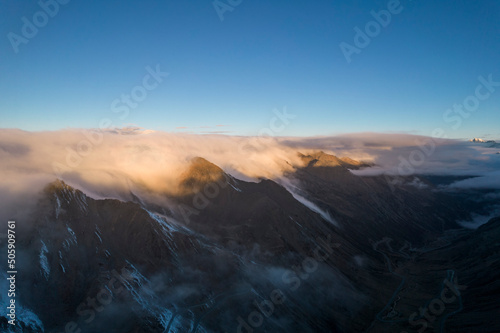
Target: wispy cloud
<point>217,132</point>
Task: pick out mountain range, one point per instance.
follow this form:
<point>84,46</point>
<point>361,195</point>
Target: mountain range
<point>319,250</point>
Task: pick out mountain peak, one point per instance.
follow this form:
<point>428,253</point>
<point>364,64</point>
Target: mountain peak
<point>199,173</point>
<point>322,159</point>
<point>486,143</point>
<point>58,186</point>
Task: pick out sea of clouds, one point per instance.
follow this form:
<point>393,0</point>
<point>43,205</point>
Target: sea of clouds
<point>106,163</point>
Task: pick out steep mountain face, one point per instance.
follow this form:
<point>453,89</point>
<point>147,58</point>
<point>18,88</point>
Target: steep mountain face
<point>476,259</point>
<point>408,207</point>
<point>450,285</point>
<point>77,245</point>
<point>322,250</point>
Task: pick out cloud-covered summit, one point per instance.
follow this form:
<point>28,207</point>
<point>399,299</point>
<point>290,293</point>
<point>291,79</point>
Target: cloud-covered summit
<point>104,163</point>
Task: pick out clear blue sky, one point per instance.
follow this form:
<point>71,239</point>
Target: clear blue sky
<point>263,55</point>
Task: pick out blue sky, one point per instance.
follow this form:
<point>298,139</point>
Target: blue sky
<point>263,55</point>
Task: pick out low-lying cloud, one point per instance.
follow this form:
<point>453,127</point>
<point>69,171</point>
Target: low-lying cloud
<point>105,164</point>
<point>398,154</point>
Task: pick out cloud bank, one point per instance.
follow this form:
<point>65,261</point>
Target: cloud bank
<point>107,163</point>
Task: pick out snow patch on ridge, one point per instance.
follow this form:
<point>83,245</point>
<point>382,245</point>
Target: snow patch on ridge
<point>67,243</point>
<point>288,185</point>
<point>61,262</point>
<point>234,187</point>
<point>98,233</point>
<point>58,207</point>
<point>324,214</point>
<point>44,263</point>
